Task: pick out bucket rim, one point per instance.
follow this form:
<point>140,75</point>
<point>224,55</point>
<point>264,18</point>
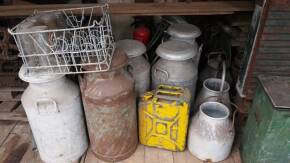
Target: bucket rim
<point>226,85</point>
<point>222,106</point>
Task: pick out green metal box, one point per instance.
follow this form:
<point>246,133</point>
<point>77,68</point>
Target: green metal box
<point>266,137</point>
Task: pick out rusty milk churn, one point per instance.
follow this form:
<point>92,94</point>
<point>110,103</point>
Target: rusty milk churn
<point>211,132</point>
<point>175,66</point>
<point>185,32</point>
<point>138,65</point>
<point>55,114</point>
<point>110,108</point>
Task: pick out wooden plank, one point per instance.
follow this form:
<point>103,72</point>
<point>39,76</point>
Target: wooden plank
<point>155,155</point>
<point>13,116</point>
<point>8,106</point>
<point>5,128</point>
<point>137,157</point>
<point>191,158</point>
<point>31,156</point>
<point>180,8</point>
<point>16,145</point>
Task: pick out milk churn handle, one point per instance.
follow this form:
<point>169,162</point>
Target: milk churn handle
<point>155,59</point>
<point>146,57</point>
<point>163,71</point>
<point>223,80</point>
<point>44,102</point>
<point>130,70</point>
<point>199,53</point>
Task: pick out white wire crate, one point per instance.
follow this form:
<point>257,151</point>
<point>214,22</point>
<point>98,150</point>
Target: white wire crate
<point>66,41</point>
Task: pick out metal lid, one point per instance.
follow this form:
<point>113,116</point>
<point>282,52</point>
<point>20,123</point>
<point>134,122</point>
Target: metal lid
<point>185,31</point>
<point>37,77</point>
<point>176,50</point>
<point>132,48</point>
<point>278,90</point>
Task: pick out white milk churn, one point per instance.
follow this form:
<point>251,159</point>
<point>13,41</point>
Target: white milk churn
<point>175,66</point>
<point>211,133</point>
<point>138,66</point>
<point>55,114</point>
<point>185,32</point>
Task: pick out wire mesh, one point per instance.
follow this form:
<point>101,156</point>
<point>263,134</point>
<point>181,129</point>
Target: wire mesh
<point>66,41</point>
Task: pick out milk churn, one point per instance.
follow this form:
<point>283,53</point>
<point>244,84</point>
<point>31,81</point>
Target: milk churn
<point>54,111</point>
<point>214,89</point>
<point>175,66</point>
<point>185,32</point>
<point>110,108</point>
<point>211,133</point>
<point>138,65</point>
<point>211,92</point>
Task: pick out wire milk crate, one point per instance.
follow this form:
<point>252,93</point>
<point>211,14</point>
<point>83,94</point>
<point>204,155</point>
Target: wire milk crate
<point>66,41</point>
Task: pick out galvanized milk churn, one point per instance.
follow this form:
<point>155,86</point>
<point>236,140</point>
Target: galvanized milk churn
<point>185,32</point>
<point>214,89</point>
<point>55,114</point>
<point>175,66</point>
<point>211,133</point>
<point>110,108</point>
<point>138,65</point>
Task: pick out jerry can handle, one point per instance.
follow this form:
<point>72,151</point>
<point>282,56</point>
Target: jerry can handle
<point>163,71</point>
<point>46,105</point>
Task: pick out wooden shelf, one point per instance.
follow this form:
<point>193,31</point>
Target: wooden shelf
<point>179,8</point>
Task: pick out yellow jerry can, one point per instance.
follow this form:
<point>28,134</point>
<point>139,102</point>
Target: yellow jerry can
<point>163,117</point>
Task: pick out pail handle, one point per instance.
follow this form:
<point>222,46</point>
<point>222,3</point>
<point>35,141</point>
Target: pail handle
<point>163,71</point>
<point>46,105</point>
<point>223,80</point>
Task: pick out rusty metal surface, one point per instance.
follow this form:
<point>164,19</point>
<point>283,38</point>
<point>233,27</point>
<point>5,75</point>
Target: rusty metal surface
<point>110,108</point>
<point>278,90</point>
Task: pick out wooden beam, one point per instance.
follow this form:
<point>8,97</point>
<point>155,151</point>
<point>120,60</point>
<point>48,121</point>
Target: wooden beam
<point>179,8</point>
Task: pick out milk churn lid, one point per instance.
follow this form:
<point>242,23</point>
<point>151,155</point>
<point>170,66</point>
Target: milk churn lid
<point>132,48</point>
<point>186,31</point>
<point>277,89</point>
<point>176,50</point>
<point>37,77</point>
